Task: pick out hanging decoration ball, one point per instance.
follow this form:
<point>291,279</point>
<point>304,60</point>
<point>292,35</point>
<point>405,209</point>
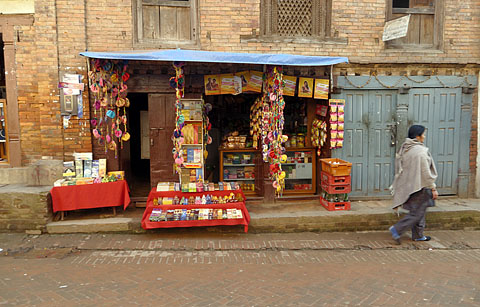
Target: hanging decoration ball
<point>208,108</point>
<point>173,82</point>
<point>126,137</point>
<point>96,134</point>
<point>283,158</point>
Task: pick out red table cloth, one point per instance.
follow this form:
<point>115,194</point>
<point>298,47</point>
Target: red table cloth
<point>147,224</point>
<point>87,196</point>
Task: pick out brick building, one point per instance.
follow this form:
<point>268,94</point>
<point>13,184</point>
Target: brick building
<point>436,64</point>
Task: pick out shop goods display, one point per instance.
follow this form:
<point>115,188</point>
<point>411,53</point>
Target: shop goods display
<point>233,140</point>
<point>319,134</point>
<point>196,187</point>
<point>300,171</point>
<point>107,80</point>
<point>336,184</point>
<point>272,127</point>
<point>189,209</point>
<point>205,199</point>
<point>239,167</point>
<point>85,170</point>
<point>198,214</point>
<point>190,136</point>
<point>337,111</point>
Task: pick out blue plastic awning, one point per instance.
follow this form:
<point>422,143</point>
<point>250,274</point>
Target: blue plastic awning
<point>217,57</point>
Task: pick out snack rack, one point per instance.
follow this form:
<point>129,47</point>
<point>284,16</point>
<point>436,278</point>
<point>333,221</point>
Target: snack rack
<point>192,170</point>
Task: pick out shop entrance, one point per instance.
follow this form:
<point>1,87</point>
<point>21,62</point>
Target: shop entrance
<point>136,156</point>
<point>232,157</point>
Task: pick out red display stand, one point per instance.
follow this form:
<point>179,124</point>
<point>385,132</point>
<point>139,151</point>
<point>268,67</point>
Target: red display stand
<point>146,224</point>
<point>88,196</point>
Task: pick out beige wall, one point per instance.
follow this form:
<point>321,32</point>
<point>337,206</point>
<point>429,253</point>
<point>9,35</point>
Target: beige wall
<point>17,6</point>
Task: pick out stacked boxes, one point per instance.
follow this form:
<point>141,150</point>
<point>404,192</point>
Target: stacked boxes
<point>336,184</point>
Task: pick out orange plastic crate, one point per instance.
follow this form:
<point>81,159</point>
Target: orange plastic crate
<point>336,167</point>
<point>335,206</point>
<point>335,180</point>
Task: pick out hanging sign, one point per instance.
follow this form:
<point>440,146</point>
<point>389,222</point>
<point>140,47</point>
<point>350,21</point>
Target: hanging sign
<point>290,85</point>
<point>321,89</point>
<point>305,87</point>
<point>212,86</point>
<point>396,28</point>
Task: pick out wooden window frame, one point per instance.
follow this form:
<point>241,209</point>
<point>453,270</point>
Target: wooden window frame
<point>143,43</point>
<point>269,22</point>
<point>437,11</point>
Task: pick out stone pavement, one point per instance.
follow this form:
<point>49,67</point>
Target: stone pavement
<point>221,269</point>
<point>291,216</point>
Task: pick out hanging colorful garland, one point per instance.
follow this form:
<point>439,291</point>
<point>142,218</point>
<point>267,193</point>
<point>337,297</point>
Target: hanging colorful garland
<point>272,127</point>
<point>178,83</point>
<point>256,120</point>
<point>319,134</point>
<point>107,81</point>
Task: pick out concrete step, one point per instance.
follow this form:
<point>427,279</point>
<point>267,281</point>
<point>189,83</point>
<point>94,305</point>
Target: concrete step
<point>115,224</point>
<point>297,217</point>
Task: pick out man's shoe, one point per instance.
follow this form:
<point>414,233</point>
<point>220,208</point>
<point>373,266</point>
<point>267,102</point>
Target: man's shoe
<point>395,235</point>
<point>424,238</point>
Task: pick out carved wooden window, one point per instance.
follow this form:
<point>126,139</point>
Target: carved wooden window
<point>295,18</point>
<point>165,22</point>
<point>426,23</point>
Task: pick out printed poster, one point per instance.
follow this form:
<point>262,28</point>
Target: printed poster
<point>305,87</point>
<point>237,85</point>
<point>244,76</point>
<point>290,85</point>
<point>321,88</point>
<point>255,82</point>
<point>227,84</point>
<point>212,85</point>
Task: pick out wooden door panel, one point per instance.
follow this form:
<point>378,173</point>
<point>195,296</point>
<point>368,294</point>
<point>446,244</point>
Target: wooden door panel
<point>161,111</point>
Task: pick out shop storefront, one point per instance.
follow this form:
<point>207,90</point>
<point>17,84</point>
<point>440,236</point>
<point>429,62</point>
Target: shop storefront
<point>232,150</point>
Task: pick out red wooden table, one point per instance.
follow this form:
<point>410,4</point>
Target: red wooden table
<point>87,196</point>
<point>147,224</point>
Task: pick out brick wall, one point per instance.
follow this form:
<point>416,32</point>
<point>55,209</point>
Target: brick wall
<point>358,23</point>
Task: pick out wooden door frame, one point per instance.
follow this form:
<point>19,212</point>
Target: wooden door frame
<point>7,28</point>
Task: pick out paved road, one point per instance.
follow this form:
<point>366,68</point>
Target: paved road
<point>305,269</point>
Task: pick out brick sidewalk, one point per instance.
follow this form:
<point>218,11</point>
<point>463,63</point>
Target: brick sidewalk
<point>200,241</point>
<point>254,270</point>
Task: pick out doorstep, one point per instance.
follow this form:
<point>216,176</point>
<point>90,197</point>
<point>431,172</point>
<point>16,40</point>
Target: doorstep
<point>296,216</point>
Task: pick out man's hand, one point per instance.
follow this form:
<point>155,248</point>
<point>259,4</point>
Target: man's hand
<point>435,194</point>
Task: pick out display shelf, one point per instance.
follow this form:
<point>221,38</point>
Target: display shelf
<point>192,144</point>
<point>306,184</point>
<point>248,167</point>
<point>147,224</point>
